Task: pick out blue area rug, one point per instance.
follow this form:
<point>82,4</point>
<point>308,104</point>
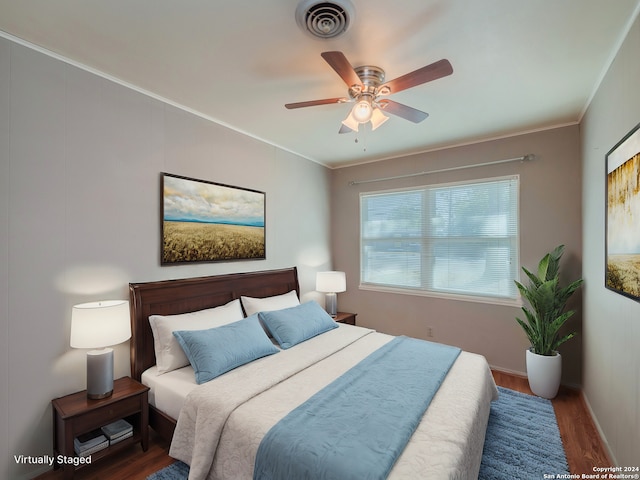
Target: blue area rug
<point>175,471</point>
<point>522,442</point>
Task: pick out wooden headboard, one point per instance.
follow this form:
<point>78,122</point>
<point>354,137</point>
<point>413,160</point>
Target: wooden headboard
<point>170,297</point>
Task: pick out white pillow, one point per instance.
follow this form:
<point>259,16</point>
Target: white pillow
<point>169,353</point>
<point>268,304</point>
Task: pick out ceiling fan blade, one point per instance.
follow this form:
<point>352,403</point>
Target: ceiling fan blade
<point>400,110</point>
<point>341,65</point>
<point>312,103</point>
<point>436,70</point>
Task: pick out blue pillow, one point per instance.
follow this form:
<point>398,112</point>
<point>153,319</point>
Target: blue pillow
<point>217,350</point>
<point>291,326</point>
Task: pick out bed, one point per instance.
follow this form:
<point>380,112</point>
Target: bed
<point>239,408</point>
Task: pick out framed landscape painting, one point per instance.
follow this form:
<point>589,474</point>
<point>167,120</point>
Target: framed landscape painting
<point>210,222</point>
<point>622,269</point>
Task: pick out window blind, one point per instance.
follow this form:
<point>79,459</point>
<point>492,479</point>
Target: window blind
<point>457,238</point>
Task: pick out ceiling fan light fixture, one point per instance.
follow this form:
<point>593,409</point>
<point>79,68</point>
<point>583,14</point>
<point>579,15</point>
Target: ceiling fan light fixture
<point>350,122</point>
<point>377,118</point>
<point>362,111</point>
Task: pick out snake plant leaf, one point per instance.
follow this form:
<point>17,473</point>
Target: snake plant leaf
<point>543,268</point>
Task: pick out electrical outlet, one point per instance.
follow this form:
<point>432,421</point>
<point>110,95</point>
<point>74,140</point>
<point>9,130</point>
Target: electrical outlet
<point>430,332</point>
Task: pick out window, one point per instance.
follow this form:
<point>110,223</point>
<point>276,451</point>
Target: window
<point>452,239</point>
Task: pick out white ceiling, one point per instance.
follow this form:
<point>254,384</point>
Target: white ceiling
<point>518,65</point>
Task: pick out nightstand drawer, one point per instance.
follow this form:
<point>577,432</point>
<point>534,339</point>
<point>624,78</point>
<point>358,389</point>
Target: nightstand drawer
<point>107,414</point>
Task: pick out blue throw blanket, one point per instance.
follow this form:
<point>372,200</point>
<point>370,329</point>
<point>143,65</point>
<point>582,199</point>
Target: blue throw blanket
<point>357,427</point>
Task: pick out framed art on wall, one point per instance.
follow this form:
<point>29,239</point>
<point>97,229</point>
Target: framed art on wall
<point>210,222</point>
<point>622,241</point>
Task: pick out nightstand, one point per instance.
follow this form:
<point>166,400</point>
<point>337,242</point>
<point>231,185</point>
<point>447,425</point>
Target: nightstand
<point>76,414</point>
<point>345,317</point>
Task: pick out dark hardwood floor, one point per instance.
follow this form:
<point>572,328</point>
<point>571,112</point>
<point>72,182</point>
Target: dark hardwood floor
<point>580,438</point>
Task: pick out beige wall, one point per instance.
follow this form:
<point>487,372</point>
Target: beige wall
<point>80,163</point>
<point>611,321</point>
<point>550,214</point>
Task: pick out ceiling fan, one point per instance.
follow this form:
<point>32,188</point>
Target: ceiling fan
<point>366,86</point>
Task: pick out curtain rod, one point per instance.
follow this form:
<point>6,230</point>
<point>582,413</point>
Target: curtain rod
<point>527,157</point>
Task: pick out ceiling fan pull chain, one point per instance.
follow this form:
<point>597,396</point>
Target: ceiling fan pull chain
<point>363,132</point>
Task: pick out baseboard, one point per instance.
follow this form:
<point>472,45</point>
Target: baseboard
<point>572,386</point>
<point>603,438</point>
<point>510,372</point>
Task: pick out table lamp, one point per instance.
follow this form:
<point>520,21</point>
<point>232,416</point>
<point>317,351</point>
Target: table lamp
<point>98,325</point>
<point>331,283</point>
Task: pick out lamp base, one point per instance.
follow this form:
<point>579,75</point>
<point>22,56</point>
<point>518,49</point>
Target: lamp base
<point>331,304</point>
<point>100,373</point>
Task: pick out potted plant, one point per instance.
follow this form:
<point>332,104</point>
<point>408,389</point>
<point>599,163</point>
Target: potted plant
<point>544,319</point>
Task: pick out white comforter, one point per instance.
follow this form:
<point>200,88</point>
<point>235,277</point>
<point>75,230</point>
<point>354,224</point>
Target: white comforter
<point>223,421</point>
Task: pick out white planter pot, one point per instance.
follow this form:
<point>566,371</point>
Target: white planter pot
<point>544,374</point>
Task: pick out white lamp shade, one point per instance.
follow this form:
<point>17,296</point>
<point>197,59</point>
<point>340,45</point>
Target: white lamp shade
<point>100,324</point>
<point>351,122</point>
<point>331,282</point>
<point>377,118</point>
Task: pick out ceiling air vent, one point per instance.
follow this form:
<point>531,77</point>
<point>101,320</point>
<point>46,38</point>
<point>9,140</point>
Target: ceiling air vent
<point>325,19</point>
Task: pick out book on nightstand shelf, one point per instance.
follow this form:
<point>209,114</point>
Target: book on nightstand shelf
<point>113,441</point>
<point>117,431</point>
<point>89,443</point>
